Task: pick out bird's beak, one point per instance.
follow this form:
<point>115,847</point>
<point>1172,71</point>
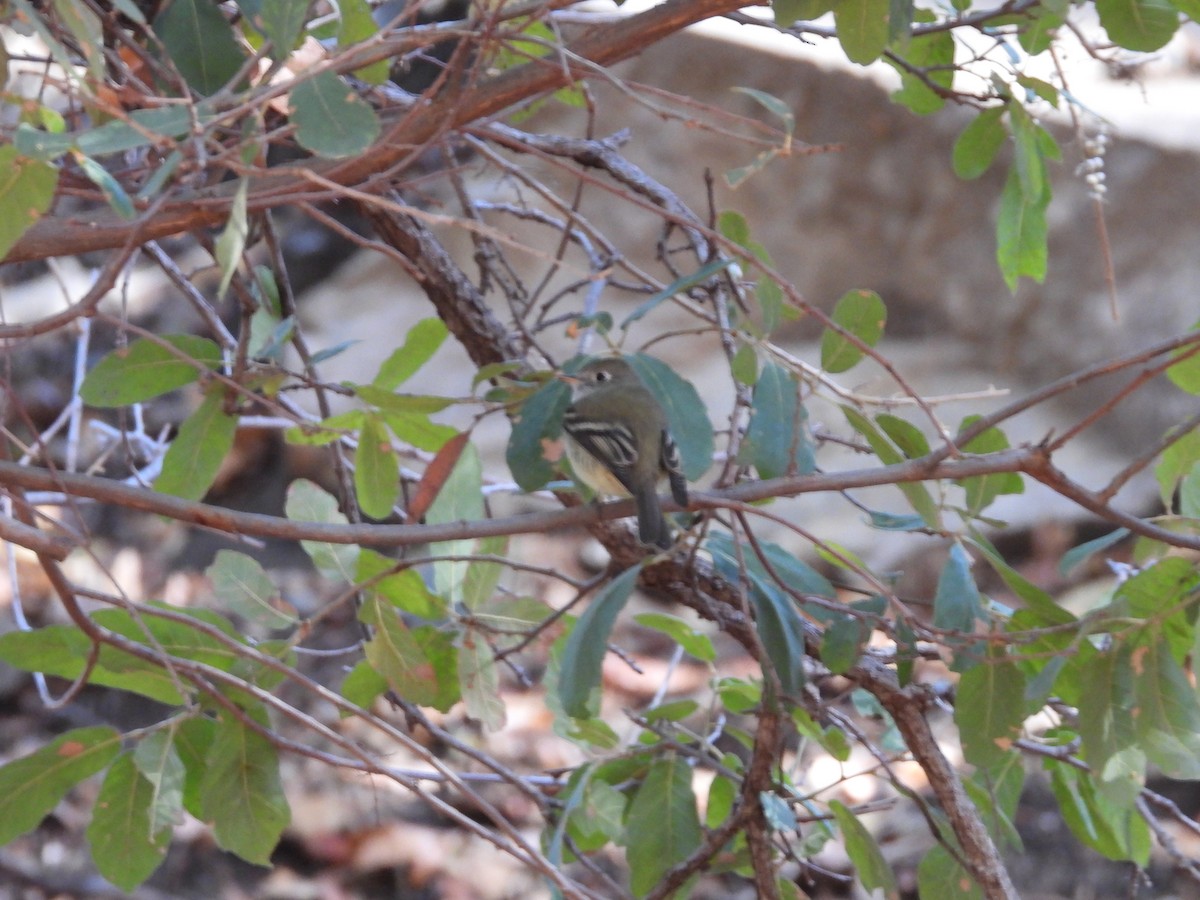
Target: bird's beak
<point>568,379</point>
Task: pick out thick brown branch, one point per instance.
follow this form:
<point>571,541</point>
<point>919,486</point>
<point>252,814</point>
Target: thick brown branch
<point>403,130</point>
<point>907,707</point>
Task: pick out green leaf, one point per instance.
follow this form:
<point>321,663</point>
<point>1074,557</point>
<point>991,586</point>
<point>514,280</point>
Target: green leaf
<point>479,680</point>
<point>534,447</point>
<point>85,28</point>
<point>31,786</point>
<point>996,792</point>
<point>26,192</point>
<point>904,434</point>
<point>1028,160</point>
<point>405,590</point>
<point>1038,87</point>
<point>722,794</point>
<point>918,495</point>
<point>862,28</point>
<point>417,430</point>
<point>200,43</point>
<point>356,25</point>
<point>776,443</point>
<point>842,643</point>
<point>387,401</point>
<point>1106,722</point>
<point>331,119</point>
<point>1166,712</point>
<point>459,500</point>
<point>990,710</point>
<point>957,603</point>
<point>149,126</point>
<point>193,738</point>
<point>116,195</point>
<point>145,369</point>
<point>513,618</point>
<point>160,765</point>
<point>1042,24</point>
<point>204,439</point>
<point>865,856</point>
<point>126,846</point>
<point>981,490</point>
<point>934,55</point>
<point>776,617</point>
<point>788,12</point>
<point>1142,25</point>
<point>421,342</point>
<point>772,104</point>
<point>977,146</point>
<point>282,21</point>
<point>687,416</point>
<point>1036,600</point>
<point>1114,830</point>
<point>585,647</point>
<point>63,650</point>
<point>1021,233</point>
<point>599,818</point>
<point>1076,555</point>
<point>744,365</point>
<point>363,684</point>
<point>242,586</point>
<point>376,470</point>
<point>662,827</point>
<point>420,664</point>
<point>308,503</point>
<point>862,314</point>
<point>1185,374</point>
<point>679,286</point>
<point>1163,594</point>
<point>482,576</point>
<point>939,875</point>
<point>692,641</point>
<point>241,793</point>
<point>232,240</point>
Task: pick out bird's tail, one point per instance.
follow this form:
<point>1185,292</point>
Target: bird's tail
<point>652,526</point>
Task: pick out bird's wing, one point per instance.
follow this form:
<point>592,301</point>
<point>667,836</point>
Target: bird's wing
<point>610,442</point>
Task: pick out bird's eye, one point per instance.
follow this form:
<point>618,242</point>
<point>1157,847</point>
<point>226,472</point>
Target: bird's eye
<point>603,375</point>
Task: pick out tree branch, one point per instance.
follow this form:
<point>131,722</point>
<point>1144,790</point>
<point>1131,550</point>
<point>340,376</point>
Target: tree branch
<point>404,130</point>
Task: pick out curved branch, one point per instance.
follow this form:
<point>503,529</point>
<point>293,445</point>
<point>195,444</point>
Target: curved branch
<point>404,131</point>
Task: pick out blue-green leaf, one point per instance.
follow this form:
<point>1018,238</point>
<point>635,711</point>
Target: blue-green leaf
<point>331,119</point>
<point>687,416</point>
<point>776,443</point>
<point>583,652</point>
<point>200,42</point>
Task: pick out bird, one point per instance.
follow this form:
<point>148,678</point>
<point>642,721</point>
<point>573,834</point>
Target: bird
<point>619,443</point>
